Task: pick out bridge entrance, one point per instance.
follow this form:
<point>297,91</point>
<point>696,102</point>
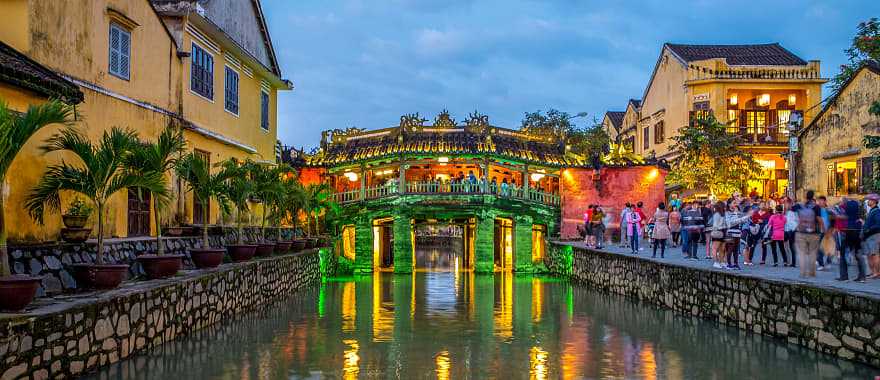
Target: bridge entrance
<point>443,245</point>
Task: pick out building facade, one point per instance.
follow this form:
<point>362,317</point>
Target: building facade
<point>206,67</point>
<point>629,124</point>
<point>611,123</point>
<point>752,88</point>
<point>833,158</point>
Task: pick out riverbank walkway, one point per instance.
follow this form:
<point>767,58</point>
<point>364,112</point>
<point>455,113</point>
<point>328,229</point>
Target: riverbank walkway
<point>825,278</point>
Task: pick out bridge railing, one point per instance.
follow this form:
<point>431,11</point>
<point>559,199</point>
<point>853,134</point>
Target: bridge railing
<point>418,187</point>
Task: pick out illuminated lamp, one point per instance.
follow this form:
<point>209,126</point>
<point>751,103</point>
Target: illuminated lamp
<point>352,176</point>
<point>792,99</point>
<point>733,99</point>
<point>764,100</point>
<point>537,176</point>
<point>443,159</point>
<point>652,175</point>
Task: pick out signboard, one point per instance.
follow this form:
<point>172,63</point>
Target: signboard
<point>793,144</point>
<point>701,97</point>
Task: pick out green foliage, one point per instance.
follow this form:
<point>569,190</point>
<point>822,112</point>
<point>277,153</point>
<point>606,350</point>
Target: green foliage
<point>588,143</point>
<point>865,46</point>
<point>710,158</point>
<point>319,201</point>
<point>204,185</point>
<point>102,172</point>
<point>15,131</point>
<point>79,208</point>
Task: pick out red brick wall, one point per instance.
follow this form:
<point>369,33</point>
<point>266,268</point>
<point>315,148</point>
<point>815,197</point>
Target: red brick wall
<point>617,186</point>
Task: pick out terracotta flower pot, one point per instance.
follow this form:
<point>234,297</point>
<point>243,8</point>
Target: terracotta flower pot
<point>241,252</point>
<point>298,245</point>
<point>104,276</point>
<point>17,291</point>
<point>74,221</point>
<point>173,231</point>
<point>265,249</point>
<point>75,235</point>
<point>156,266</point>
<point>205,258</point>
<point>282,247</point>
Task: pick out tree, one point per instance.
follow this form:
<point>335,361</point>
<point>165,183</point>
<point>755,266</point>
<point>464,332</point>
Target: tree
<point>204,185</point>
<point>103,171</point>
<point>15,131</point>
<point>318,200</point>
<point>159,157</point>
<point>873,143</point>
<point>238,190</point>
<point>588,143</point>
<point>865,46</point>
<point>268,187</point>
<point>709,157</point>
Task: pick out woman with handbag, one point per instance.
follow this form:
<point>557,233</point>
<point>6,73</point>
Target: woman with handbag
<point>776,235</point>
<point>660,232</point>
<point>717,229</point>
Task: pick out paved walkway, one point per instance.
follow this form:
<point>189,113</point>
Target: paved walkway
<point>824,279</point>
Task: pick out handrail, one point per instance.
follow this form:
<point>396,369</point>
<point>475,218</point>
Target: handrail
<point>478,188</point>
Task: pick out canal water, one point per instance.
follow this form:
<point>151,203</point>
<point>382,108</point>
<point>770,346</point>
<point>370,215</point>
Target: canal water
<point>456,325</point>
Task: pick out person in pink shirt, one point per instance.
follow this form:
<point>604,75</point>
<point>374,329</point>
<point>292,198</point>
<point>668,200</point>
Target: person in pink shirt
<point>776,233</point>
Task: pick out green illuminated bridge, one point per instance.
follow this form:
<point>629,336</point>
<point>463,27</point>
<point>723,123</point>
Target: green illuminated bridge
<point>492,192</point>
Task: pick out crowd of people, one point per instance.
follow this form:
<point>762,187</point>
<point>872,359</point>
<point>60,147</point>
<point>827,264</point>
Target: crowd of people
<point>810,234</point>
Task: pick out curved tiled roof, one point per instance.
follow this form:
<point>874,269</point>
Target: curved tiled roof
<point>750,55</point>
<point>616,117</point>
<point>21,71</point>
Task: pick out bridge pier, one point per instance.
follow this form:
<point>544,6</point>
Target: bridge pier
<point>403,244</point>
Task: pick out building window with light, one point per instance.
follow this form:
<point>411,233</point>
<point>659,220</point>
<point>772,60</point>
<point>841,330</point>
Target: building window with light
<point>843,178</point>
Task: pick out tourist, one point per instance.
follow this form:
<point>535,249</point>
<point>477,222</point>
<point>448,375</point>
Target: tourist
<point>624,241</point>
<point>675,225</point>
<point>776,234</point>
<point>634,230</point>
<point>754,193</point>
<point>494,185</point>
<point>661,230</point>
<point>692,224</point>
<point>597,225</point>
<point>822,203</point>
<point>791,219</point>
<point>674,202</point>
<point>505,188</point>
<point>588,233</point>
<point>706,212</point>
<point>756,231</point>
<point>734,220</point>
<point>871,234</point>
<point>807,235</point>
<point>472,181</point>
<point>849,226</point>
<point>717,229</point>
<point>642,216</point>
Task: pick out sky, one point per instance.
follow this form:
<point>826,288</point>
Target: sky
<point>364,63</point>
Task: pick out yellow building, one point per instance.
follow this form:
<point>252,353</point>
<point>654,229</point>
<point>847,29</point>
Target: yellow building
<point>833,159</point>
<point>143,66</point>
<point>611,123</point>
<point>753,87</point>
<point>629,123</point>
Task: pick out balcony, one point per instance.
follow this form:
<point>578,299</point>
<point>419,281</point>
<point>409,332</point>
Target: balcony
<point>756,127</point>
<point>449,188</point>
<point>810,72</point>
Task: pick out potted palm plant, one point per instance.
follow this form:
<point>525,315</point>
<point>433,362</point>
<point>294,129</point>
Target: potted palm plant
<point>238,191</point>
<point>75,219</point>
<point>16,129</point>
<point>319,201</point>
<point>276,205</point>
<point>159,158</point>
<point>102,172</point>
<point>204,185</point>
<point>294,202</point>
<point>269,189</point>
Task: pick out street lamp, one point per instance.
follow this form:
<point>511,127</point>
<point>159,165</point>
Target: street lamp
<point>794,124</point>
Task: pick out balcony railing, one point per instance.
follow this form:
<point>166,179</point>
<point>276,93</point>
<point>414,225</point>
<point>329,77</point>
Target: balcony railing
<point>390,189</point>
<point>756,127</point>
<point>810,72</point>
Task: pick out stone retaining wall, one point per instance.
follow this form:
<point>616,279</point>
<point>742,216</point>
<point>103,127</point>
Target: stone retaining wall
<point>826,320</point>
<point>50,260</point>
<point>69,337</point>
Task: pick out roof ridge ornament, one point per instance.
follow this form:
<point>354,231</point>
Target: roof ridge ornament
<point>412,121</point>
<point>444,120</point>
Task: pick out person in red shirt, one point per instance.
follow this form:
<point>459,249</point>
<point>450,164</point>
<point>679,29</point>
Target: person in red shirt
<point>642,215</point>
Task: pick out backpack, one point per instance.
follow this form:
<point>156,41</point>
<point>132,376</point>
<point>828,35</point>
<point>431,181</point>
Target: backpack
<point>807,219</point>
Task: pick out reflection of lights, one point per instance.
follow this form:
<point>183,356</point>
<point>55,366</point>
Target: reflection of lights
<point>349,307</point>
<point>649,361</point>
<point>444,364</point>
<point>538,363</point>
<point>351,360</point>
<point>352,176</point>
<point>537,300</point>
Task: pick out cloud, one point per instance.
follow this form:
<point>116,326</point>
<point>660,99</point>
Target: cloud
<point>432,42</point>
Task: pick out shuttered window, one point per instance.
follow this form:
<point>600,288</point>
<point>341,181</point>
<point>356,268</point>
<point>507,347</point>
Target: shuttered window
<point>120,52</point>
<point>231,91</point>
<point>867,175</point>
<point>202,72</point>
<point>264,110</point>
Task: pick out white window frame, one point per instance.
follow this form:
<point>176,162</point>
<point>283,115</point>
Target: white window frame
<point>127,33</point>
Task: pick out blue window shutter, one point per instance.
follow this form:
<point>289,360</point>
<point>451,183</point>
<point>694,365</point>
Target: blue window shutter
<point>124,54</point>
<point>114,50</point>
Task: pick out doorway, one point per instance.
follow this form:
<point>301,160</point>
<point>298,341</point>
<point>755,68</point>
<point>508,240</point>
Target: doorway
<point>442,245</point>
<point>138,212</point>
<point>503,244</point>
<point>383,244</point>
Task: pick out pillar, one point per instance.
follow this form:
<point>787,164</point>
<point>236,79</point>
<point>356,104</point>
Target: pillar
<point>363,246</point>
<point>403,244</point>
<point>484,247</point>
<point>522,244</point>
<point>401,183</point>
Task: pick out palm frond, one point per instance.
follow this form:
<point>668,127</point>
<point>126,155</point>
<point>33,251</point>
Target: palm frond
<point>16,129</point>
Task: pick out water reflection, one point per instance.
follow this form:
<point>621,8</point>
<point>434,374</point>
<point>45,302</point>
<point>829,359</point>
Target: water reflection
<point>460,325</point>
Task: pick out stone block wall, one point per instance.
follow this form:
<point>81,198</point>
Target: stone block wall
<point>50,261</point>
<point>68,339</point>
<point>825,320</point>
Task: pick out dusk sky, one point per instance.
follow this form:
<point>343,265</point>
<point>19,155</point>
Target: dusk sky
<point>364,63</point>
